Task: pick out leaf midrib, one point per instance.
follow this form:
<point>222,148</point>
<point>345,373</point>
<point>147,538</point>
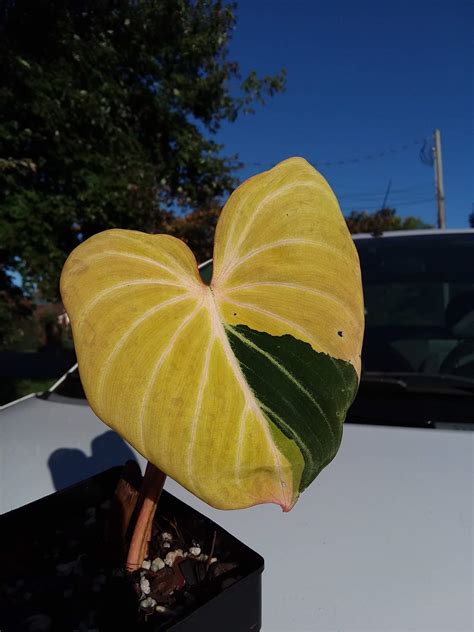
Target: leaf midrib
<point>251,401</point>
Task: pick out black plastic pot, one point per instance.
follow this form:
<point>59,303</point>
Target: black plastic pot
<point>56,573</point>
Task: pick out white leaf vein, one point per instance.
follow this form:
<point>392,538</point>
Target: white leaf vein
<point>249,396</point>
<point>137,241</point>
<point>309,461</point>
<point>296,327</point>
<point>132,327</point>
<point>159,363</point>
<point>270,197</point>
<point>292,286</point>
<point>240,440</point>
<point>85,309</point>
<point>128,255</point>
<point>288,376</point>
<point>280,243</point>
<point>198,407</point>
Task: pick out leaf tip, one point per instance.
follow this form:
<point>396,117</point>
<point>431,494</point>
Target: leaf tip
<point>288,504</point>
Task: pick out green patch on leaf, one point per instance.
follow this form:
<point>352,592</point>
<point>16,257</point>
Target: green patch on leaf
<point>306,394</point>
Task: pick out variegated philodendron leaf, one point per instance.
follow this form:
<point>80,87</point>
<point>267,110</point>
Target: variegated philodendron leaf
<point>237,390</point>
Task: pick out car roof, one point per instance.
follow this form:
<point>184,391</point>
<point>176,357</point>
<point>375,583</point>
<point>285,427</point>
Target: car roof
<point>415,233</point>
<point>397,233</point>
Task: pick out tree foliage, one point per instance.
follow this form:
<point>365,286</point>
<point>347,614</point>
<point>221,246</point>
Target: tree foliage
<point>196,229</point>
<point>14,311</point>
<point>108,110</point>
<point>382,220</point>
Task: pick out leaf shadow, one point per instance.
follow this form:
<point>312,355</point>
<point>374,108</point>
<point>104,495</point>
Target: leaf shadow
<point>71,465</point>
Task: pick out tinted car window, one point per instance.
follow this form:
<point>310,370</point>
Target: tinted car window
<point>419,303</point>
<point>206,272</point>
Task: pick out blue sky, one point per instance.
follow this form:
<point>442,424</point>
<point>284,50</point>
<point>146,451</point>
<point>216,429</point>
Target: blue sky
<point>363,77</point>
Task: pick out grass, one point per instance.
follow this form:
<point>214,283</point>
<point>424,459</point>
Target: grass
<point>14,388</point>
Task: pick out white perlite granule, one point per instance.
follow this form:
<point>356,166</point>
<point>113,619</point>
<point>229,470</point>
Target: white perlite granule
<point>145,586</point>
<point>157,564</point>
<point>195,550</point>
<point>149,602</point>
<point>172,555</point>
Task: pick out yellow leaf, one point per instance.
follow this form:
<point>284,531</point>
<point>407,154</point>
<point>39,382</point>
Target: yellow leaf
<point>237,390</point>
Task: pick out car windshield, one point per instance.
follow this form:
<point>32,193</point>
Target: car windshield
<point>419,304</point>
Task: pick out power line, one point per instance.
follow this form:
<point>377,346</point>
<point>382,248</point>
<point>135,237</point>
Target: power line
<point>356,206</point>
<point>426,153</point>
<point>384,203</point>
<point>417,189</point>
<point>361,158</point>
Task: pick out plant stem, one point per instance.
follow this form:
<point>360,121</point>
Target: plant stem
<point>123,509</point>
<point>150,493</point>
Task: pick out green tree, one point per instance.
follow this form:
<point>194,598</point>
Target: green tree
<point>108,113</point>
<point>381,221</point>
<point>15,312</point>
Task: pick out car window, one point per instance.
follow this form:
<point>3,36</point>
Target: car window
<point>206,272</point>
<point>419,303</point>
<point>70,387</point>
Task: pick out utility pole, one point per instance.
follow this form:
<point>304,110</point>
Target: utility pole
<point>438,168</point>
<point>385,199</point>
